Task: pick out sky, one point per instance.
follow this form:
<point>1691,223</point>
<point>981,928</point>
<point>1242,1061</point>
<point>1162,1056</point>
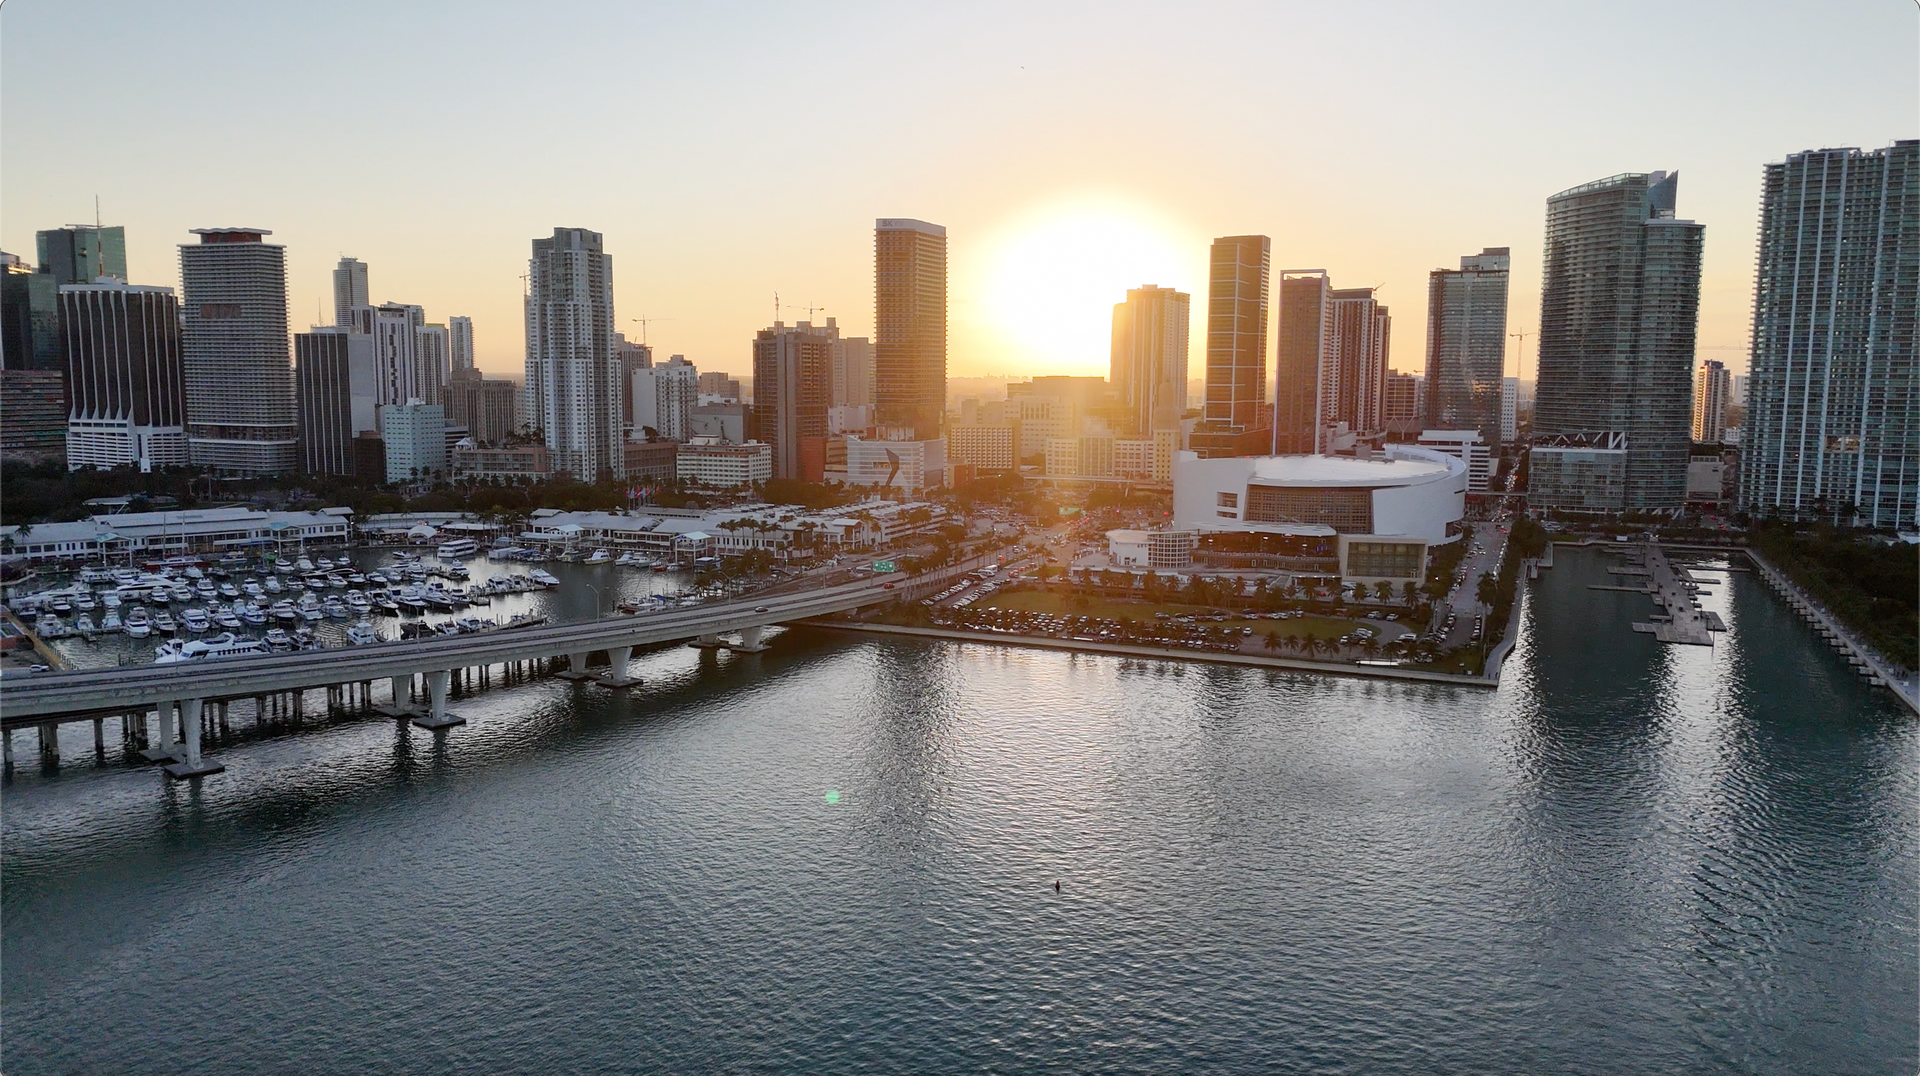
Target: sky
<point>732,152</point>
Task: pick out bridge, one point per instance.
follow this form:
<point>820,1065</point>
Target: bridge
<point>349,673</point>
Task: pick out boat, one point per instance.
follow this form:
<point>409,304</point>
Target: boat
<point>278,639</point>
<point>163,622</point>
<point>111,599</point>
<point>285,567</point>
<point>272,585</point>
<point>458,547</point>
<point>387,605</point>
<point>85,603</point>
<point>226,618</point>
<point>224,645</point>
<point>660,566</point>
<point>251,613</point>
<point>94,574</point>
<point>456,571</point>
<point>304,564</point>
<point>335,608</point>
<point>110,620</point>
<point>181,592</point>
<point>600,556</point>
<point>284,610</point>
<point>83,624</point>
<point>355,579</point>
<point>196,620</point>
<point>138,625</point>
<point>252,588</point>
<point>544,578</point>
<point>305,639</point>
<point>229,591</point>
<point>411,596</point>
<point>60,604</point>
<point>362,634</point>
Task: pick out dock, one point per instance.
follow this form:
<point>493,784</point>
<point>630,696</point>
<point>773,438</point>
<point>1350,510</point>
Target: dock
<point>1675,590</point>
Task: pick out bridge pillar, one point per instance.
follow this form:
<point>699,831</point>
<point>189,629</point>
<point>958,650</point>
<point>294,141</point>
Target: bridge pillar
<point>191,764</point>
<point>750,639</point>
<point>6,747</point>
<point>576,667</point>
<point>618,657</point>
<point>50,741</point>
<point>707,642</point>
<point>160,742</point>
<point>100,738</point>
<point>402,706</point>
<point>437,716</point>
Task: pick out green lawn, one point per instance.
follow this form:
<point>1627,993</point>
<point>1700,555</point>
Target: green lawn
<point>1039,601</point>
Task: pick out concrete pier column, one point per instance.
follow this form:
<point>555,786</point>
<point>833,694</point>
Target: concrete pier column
<point>576,667</point>
<point>402,705</point>
<point>707,642</point>
<point>100,738</point>
<point>160,739</point>
<point>750,639</point>
<point>191,764</point>
<point>618,657</point>
<point>437,716</point>
<point>6,748</point>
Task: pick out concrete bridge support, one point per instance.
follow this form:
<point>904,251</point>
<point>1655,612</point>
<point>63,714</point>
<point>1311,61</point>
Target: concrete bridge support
<point>191,764</point>
<point>576,667</point>
<point>750,639</point>
<point>160,741</point>
<point>616,676</point>
<point>437,716</point>
<point>402,706</point>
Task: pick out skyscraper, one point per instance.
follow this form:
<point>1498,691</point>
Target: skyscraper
<point>334,382</point>
<point>628,357</point>
<point>852,370</point>
<point>431,361</point>
<point>240,417</point>
<point>395,331</point>
<point>82,253</point>
<point>126,391</point>
<point>1306,326</point>
<point>573,381</point>
<point>792,381</point>
<point>1231,422</point>
<point>1711,387</point>
<point>664,396</point>
<point>1149,356</point>
<point>349,289</point>
<point>1619,305</point>
<point>459,345</point>
<point>910,325</point>
<point>1467,343</point>
<point>1353,369</point>
<point>29,319</point>
<point>1832,426</point>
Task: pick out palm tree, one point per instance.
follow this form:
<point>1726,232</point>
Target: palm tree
<point>1272,640</point>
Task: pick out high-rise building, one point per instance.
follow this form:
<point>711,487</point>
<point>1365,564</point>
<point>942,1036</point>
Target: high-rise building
<point>1618,311</point>
<point>395,331</point>
<point>1238,267</point>
<point>1739,394</point>
<point>573,381</point>
<point>33,415</point>
<point>664,397</point>
<point>337,392</point>
<point>1403,402</point>
<point>1711,387</point>
<point>459,344</point>
<point>792,382</point>
<point>349,289</point>
<point>628,357</point>
<point>484,405</point>
<point>910,325</point>
<point>1467,343</point>
<point>1303,339</point>
<point>1149,356</point>
<point>240,416</point>
<point>126,390</point>
<point>1353,369</point>
<point>416,441</point>
<point>1832,427</point>
<point>83,253</point>
<point>852,370</point>
<point>1509,410</point>
<point>718,383</point>
<point>432,362</point>
<point>29,319</point>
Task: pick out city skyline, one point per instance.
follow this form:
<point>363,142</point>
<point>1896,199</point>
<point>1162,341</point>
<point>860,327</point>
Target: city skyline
<point>1376,219</point>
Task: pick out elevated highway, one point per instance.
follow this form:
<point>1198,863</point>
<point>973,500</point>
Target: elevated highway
<point>50,698</point>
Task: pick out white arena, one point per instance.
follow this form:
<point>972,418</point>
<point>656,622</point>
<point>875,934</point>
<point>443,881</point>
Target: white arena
<point>1385,511</point>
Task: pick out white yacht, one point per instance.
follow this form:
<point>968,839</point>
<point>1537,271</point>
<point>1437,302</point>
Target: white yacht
<point>284,610</point>
<point>272,585</point>
<point>304,564</point>
<point>335,608</point>
<point>226,618</point>
<point>251,613</point>
<point>83,624</point>
<point>110,620</point>
<point>362,634</point>
<point>84,602</point>
<point>138,625</point>
<point>163,622</point>
<point>544,578</point>
<point>458,547</point>
<point>195,619</point>
<point>278,639</point>
<point>600,556</point>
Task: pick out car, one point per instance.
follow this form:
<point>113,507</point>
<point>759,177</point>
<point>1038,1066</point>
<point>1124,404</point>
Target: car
<point>39,668</point>
<point>886,586</point>
<point>761,609</point>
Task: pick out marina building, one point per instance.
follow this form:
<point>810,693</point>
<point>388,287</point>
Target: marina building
<point>141,535</point>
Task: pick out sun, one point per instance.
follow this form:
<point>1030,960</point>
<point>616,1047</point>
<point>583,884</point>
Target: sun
<point>1055,276</point>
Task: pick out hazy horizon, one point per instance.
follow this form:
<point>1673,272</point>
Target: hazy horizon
<point>1071,152</point>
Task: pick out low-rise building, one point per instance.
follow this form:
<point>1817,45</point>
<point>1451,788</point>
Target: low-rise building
<point>1467,446</point>
<point>1578,473</point>
<point>653,461</point>
<point>909,465</point>
<point>723,465</point>
<point>680,534</point>
<point>162,534</point>
<point>989,448</point>
<point>509,462</point>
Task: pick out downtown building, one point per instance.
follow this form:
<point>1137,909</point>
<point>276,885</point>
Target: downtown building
<point>910,327</point>
<point>1832,427</point>
<point>1149,357</point>
<point>1330,363</point>
<point>349,289</point>
<point>1619,307</point>
<point>792,388</point>
<point>1711,387</point>
<point>459,346</point>
<point>1467,345</point>
<point>664,399</point>
<point>126,387</point>
<point>573,385</point>
<point>1232,415</point>
<point>240,411</point>
<point>337,391</point>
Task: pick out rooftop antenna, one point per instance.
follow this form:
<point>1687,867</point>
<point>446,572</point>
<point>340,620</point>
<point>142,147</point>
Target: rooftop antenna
<point>776,308</point>
<point>99,250</point>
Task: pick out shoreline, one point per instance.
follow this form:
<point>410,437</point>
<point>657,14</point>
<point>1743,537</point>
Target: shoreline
<point>1126,650</point>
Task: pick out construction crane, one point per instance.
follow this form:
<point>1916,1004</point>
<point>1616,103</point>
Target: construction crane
<point>643,327</point>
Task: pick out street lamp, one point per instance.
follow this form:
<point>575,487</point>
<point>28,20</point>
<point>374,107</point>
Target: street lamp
<point>596,600</point>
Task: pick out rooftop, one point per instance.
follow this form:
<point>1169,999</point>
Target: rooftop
<point>1341,471</point>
